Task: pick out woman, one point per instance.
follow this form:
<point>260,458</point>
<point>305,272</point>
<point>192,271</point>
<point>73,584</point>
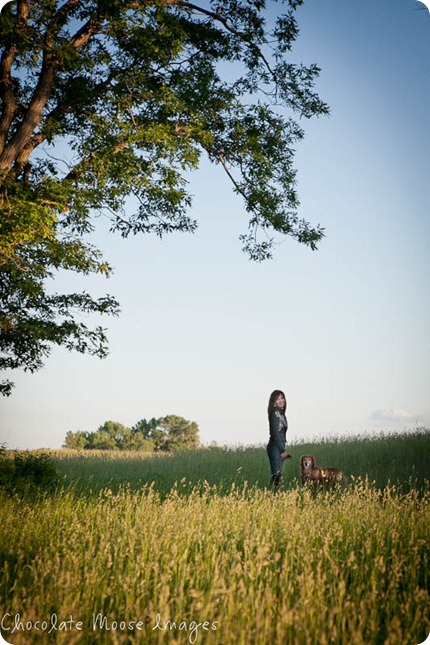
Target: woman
<point>278,426</point>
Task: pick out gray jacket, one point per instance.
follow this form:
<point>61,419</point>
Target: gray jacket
<point>278,426</point>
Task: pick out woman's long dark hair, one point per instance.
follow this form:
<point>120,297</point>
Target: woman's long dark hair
<point>272,400</point>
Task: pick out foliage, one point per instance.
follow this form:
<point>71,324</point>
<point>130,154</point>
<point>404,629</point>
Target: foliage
<point>179,433</point>
<point>28,471</point>
<point>150,431</point>
<point>107,101</point>
<point>167,434</point>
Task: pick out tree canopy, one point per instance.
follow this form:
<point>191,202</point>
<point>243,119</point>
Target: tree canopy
<point>107,100</point>
<point>167,434</point>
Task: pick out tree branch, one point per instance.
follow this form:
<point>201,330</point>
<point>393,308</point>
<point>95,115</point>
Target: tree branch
<point>19,148</point>
<point>86,31</point>
<point>245,37</point>
<point>9,103</point>
<point>34,113</point>
<point>210,14</point>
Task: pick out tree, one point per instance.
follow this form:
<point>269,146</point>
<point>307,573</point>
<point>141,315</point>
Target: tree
<point>109,436</point>
<point>170,433</point>
<point>104,100</point>
<point>150,431</point>
<point>135,441</point>
<point>76,440</point>
<point>180,434</point>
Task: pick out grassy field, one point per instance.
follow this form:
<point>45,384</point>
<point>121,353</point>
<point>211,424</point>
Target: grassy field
<point>194,548</point>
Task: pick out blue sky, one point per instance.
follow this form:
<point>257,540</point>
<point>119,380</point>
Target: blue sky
<point>206,334</point>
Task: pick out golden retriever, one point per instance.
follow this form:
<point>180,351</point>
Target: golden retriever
<point>315,476</point>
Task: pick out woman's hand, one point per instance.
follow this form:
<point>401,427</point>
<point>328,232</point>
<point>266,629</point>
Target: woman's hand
<point>285,455</point>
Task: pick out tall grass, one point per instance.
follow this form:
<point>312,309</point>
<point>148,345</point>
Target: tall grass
<point>255,567</point>
<point>192,559</point>
<point>400,459</point>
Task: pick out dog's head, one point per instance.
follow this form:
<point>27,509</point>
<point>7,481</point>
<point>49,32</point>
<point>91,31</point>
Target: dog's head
<point>307,463</point>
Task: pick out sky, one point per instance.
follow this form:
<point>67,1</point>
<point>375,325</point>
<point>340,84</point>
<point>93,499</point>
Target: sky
<point>206,334</point>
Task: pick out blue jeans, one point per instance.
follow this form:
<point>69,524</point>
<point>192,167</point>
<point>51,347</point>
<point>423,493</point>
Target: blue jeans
<point>276,463</point>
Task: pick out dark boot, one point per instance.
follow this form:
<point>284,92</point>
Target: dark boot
<point>275,479</point>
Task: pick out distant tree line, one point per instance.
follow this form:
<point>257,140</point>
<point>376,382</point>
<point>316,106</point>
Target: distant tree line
<point>168,434</point>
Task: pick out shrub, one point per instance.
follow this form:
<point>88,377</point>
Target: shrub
<point>28,471</point>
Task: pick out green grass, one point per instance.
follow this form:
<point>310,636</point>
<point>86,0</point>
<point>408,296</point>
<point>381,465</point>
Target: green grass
<point>400,459</point>
<point>197,539</point>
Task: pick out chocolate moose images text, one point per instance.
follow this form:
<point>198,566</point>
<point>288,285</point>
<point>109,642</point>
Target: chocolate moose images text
<point>11,624</point>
